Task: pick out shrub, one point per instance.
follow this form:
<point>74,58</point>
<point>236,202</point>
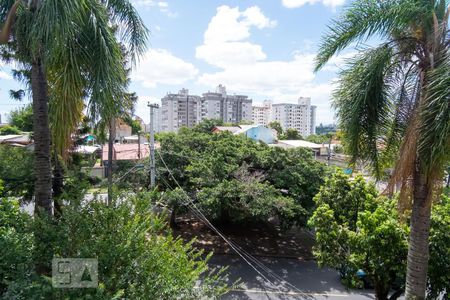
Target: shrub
<point>5,130</point>
<point>137,255</point>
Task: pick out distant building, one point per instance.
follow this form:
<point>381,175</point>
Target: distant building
<point>318,149</point>
<point>261,114</point>
<point>122,130</point>
<point>156,120</point>
<point>301,116</point>
<point>228,108</point>
<point>182,109</point>
<point>178,110</point>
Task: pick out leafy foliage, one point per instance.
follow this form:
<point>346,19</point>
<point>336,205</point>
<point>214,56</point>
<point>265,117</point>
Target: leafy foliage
<point>277,126</point>
<point>5,130</point>
<point>319,139</point>
<point>138,257</point>
<point>291,134</point>
<point>358,230</point>
<point>236,179</point>
<point>16,171</point>
<point>22,118</point>
<point>439,266</point>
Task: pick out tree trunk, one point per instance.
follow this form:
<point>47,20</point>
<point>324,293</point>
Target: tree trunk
<point>112,136</point>
<point>417,267</point>
<point>58,184</point>
<point>42,164</point>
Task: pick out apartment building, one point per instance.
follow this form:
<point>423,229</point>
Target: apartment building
<point>229,108</point>
<point>182,109</point>
<point>261,115</point>
<point>178,110</point>
<point>300,116</point>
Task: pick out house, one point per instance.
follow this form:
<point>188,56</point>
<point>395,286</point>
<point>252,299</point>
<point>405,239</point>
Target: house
<point>259,133</point>
<point>128,152</point>
<point>318,149</point>
<point>135,139</point>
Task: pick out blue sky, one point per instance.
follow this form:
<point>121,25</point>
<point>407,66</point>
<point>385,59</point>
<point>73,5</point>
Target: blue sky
<point>262,48</point>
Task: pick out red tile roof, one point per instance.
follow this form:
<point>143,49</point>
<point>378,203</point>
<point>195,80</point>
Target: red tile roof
<point>127,151</point>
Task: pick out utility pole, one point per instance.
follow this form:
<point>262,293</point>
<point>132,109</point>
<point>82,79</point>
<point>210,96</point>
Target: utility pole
<point>152,145</point>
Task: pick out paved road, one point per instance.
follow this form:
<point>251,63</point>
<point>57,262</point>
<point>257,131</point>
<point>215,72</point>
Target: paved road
<point>309,281</point>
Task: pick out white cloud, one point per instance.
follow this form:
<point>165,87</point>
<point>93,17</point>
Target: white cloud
<point>231,25</point>
<point>299,3</point>
<point>224,40</point>
<point>159,66</point>
<point>162,5</point>
<point>231,53</point>
<point>245,68</point>
<point>266,77</point>
<point>4,75</point>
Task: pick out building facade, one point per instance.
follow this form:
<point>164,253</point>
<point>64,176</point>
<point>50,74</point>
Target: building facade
<point>300,116</point>
<point>261,115</point>
<point>178,110</point>
<point>182,109</point>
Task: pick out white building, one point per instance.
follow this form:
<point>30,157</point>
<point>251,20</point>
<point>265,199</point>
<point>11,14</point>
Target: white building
<point>261,115</point>
<point>301,116</point>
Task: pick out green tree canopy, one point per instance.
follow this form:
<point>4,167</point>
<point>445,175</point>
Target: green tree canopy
<point>22,118</point>
<point>259,181</point>
<point>392,104</point>
<point>291,134</point>
<point>356,229</point>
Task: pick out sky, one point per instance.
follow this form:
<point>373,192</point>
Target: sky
<point>261,48</point>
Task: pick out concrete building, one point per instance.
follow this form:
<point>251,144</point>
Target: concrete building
<point>261,115</point>
<point>182,109</point>
<point>178,110</point>
<point>301,116</point>
<point>229,108</point>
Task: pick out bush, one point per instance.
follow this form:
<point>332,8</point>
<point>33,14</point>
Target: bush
<point>16,171</point>
<point>5,130</point>
<point>358,230</point>
<point>137,255</point>
<point>22,118</point>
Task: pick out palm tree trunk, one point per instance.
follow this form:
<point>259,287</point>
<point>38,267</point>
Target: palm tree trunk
<point>42,164</point>
<point>112,137</point>
<point>58,185</point>
<point>417,267</point>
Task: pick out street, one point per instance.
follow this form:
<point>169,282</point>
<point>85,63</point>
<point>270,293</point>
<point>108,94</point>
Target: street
<point>309,281</point>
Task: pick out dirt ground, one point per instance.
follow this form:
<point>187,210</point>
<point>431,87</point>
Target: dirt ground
<point>256,239</point>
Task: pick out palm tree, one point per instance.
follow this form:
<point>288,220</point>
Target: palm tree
<point>393,104</point>
<point>73,53</point>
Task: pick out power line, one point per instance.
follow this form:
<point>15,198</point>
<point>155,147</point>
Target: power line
<point>241,252</point>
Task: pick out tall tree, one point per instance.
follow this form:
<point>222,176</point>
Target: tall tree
<point>393,104</point>
<point>72,45</point>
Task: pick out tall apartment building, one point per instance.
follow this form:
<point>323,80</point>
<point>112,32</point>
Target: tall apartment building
<point>229,108</point>
<point>301,116</point>
<point>261,115</point>
<point>182,109</point>
<point>178,110</point>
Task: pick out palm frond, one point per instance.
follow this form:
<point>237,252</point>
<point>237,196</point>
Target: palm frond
<point>362,103</point>
<point>364,19</point>
<point>434,144</point>
<point>131,27</point>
